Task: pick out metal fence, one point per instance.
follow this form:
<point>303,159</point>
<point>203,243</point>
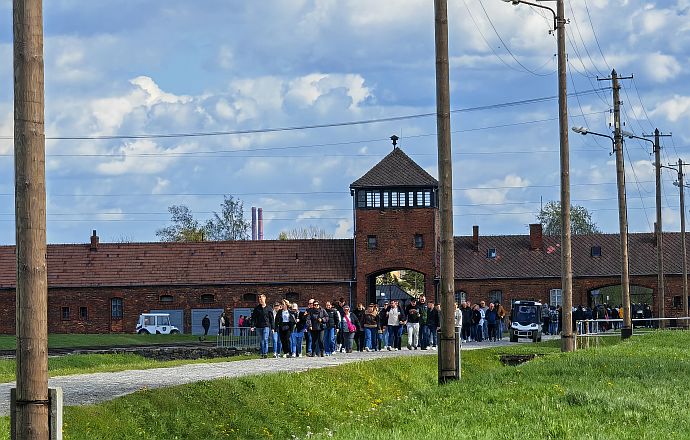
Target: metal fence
<point>588,331</point>
<point>241,338</point>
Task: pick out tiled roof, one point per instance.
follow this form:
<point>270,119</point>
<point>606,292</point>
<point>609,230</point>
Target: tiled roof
<point>395,170</point>
<point>145,264</point>
<point>515,259</point>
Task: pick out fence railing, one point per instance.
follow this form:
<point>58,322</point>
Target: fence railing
<point>588,331</point>
<point>238,337</point>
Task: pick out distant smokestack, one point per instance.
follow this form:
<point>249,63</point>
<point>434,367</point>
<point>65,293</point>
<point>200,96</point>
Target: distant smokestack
<point>253,223</point>
<point>261,224</point>
<point>475,238</point>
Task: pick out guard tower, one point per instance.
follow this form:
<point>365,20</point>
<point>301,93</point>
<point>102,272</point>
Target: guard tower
<point>396,223</point>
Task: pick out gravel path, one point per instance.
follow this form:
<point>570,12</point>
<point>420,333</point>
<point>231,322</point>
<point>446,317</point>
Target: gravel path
<point>87,389</point>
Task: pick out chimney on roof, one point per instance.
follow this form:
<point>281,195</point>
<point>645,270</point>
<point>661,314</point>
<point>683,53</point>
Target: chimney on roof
<point>536,240</point>
<point>475,238</point>
<point>261,224</point>
<point>253,223</point>
<point>94,241</point>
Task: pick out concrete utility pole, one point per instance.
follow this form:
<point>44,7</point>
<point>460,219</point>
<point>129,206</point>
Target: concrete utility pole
<point>567,338</point>
<point>626,331</point>
<point>31,403</point>
<point>448,359</point>
<point>682,237</point>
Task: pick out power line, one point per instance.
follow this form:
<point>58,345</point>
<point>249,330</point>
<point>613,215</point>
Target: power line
<point>313,126</point>
<point>589,16</point>
<point>508,48</point>
<point>637,184</point>
<point>577,27</point>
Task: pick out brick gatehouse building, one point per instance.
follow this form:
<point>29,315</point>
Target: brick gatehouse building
<point>103,287</point>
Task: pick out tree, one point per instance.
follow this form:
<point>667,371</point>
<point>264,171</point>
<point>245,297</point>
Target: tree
<point>304,233</point>
<point>386,278</point>
<point>581,222</point>
<point>184,228</point>
<point>230,223</point>
<point>412,282</point>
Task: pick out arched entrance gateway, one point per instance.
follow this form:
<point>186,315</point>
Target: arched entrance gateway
<point>395,207</point>
<point>400,285</point>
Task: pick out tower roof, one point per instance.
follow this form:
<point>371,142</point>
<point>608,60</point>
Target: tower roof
<point>395,170</point>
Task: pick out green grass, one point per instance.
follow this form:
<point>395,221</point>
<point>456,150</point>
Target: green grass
<point>637,389</point>
<point>8,342</point>
<point>101,363</point>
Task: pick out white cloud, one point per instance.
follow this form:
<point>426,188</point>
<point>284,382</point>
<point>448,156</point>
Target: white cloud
<point>498,195</point>
<point>661,67</point>
<point>674,109</point>
<point>142,157</point>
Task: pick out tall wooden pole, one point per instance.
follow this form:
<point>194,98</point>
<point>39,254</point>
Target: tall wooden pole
<point>626,331</point>
<point>30,210</point>
<point>682,238</point>
<point>567,339</point>
<point>659,233</point>
<point>447,361</point>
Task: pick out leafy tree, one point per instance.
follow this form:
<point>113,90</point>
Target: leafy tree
<point>304,233</point>
<point>230,223</point>
<point>184,228</point>
<point>387,278</point>
<point>581,222</point>
<point>412,282</point>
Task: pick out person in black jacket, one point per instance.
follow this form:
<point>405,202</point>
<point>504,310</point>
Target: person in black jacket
<point>284,323</point>
<point>359,336</point>
<point>331,328</point>
<point>297,336</point>
<point>466,311</point>
<point>206,324</point>
<point>477,331</point>
<point>317,322</point>
<point>434,323</point>
<point>262,321</point>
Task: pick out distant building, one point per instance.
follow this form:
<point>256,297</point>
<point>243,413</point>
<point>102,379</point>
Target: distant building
<point>103,287</point>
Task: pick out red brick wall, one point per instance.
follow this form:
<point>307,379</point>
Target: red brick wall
<point>538,289</point>
<point>138,300</point>
<point>395,230</point>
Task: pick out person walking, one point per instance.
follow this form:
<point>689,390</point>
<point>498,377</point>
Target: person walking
<point>394,317</point>
<point>466,312</point>
<point>277,345</point>
<point>262,321</point>
<point>412,325</point>
<point>501,319</point>
<point>348,328</point>
<point>370,323</point>
<point>331,329</point>
<point>298,330</point>
<point>359,336</point>
<point>317,323</point>
<point>284,323</point>
<point>206,324</point>
<point>491,316</point>
<point>425,333</point>
<point>434,323</point>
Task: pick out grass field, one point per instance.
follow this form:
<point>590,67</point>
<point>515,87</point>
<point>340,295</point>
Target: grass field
<point>633,390</point>
<point>8,342</point>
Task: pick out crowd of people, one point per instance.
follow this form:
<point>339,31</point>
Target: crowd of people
<point>336,327</point>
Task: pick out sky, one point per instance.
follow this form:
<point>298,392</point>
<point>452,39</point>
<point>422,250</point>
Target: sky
<point>283,81</point>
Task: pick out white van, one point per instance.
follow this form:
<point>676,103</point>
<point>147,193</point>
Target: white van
<point>155,324</point>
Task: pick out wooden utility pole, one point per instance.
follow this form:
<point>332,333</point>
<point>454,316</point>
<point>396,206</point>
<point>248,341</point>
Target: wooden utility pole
<point>659,233</point>
<point>567,338</point>
<point>448,368</point>
<point>626,331</point>
<point>682,238</point>
<point>31,403</point>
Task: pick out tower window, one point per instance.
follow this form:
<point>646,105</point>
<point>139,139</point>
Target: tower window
<point>418,241</point>
<point>372,242</point>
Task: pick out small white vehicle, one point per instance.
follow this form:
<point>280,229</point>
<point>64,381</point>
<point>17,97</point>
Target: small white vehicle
<point>525,321</point>
<point>155,324</point>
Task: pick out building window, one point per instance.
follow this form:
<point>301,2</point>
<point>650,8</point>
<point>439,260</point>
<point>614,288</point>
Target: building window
<point>596,251</point>
<point>555,297</point>
<point>83,313</point>
<point>361,199</point>
<point>394,199</point>
<point>418,241</point>
<point>677,302</point>
<point>207,298</point>
<point>250,297</point>
<point>116,308</point>
<point>372,242</point>
<point>65,313</point>
<point>293,297</point>
<point>166,298</point>
<point>491,253</point>
<point>496,296</point>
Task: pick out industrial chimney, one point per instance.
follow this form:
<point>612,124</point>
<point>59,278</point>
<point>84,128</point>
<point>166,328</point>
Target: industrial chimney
<point>253,223</point>
<point>261,224</point>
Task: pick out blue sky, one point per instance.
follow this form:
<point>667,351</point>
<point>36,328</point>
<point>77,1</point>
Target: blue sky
<point>152,67</point>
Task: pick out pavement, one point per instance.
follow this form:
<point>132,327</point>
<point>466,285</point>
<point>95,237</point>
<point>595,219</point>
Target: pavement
<point>88,389</point>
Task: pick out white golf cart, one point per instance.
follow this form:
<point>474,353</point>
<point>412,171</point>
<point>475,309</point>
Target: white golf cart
<point>155,324</point>
<point>525,321</point>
